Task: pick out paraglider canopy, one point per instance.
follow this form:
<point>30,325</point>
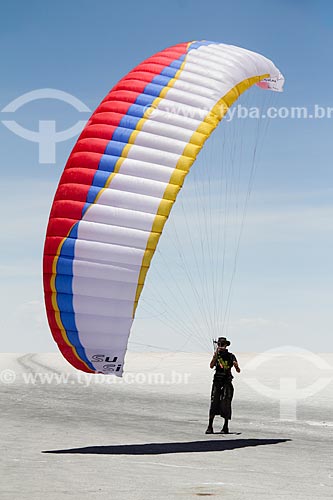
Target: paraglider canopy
<point>120,183</point>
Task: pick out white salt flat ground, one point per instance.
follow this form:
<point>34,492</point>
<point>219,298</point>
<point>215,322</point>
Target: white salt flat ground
<point>80,438</point>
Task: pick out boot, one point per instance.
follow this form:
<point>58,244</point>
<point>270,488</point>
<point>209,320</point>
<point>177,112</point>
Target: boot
<point>225,428</point>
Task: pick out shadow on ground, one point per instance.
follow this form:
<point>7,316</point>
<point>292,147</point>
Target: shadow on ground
<point>161,448</point>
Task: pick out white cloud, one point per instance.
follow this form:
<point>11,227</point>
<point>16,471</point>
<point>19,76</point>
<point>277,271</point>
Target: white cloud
<point>257,322</point>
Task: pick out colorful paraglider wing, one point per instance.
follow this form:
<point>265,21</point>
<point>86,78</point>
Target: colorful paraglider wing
<point>120,183</point>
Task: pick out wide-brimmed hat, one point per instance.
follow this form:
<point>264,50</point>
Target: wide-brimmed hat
<point>223,341</point>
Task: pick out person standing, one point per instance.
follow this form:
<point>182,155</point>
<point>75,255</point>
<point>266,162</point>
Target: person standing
<point>222,388</point>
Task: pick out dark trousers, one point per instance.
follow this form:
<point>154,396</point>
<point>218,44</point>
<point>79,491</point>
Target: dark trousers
<point>221,397</point>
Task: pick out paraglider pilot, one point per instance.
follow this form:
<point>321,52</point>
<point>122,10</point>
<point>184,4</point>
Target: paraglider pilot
<point>222,388</point>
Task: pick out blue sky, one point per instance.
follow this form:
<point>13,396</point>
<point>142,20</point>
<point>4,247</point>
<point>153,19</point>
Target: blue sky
<point>282,294</point>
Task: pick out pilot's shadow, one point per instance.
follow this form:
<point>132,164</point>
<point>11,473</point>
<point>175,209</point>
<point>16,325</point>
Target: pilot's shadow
<point>178,447</point>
